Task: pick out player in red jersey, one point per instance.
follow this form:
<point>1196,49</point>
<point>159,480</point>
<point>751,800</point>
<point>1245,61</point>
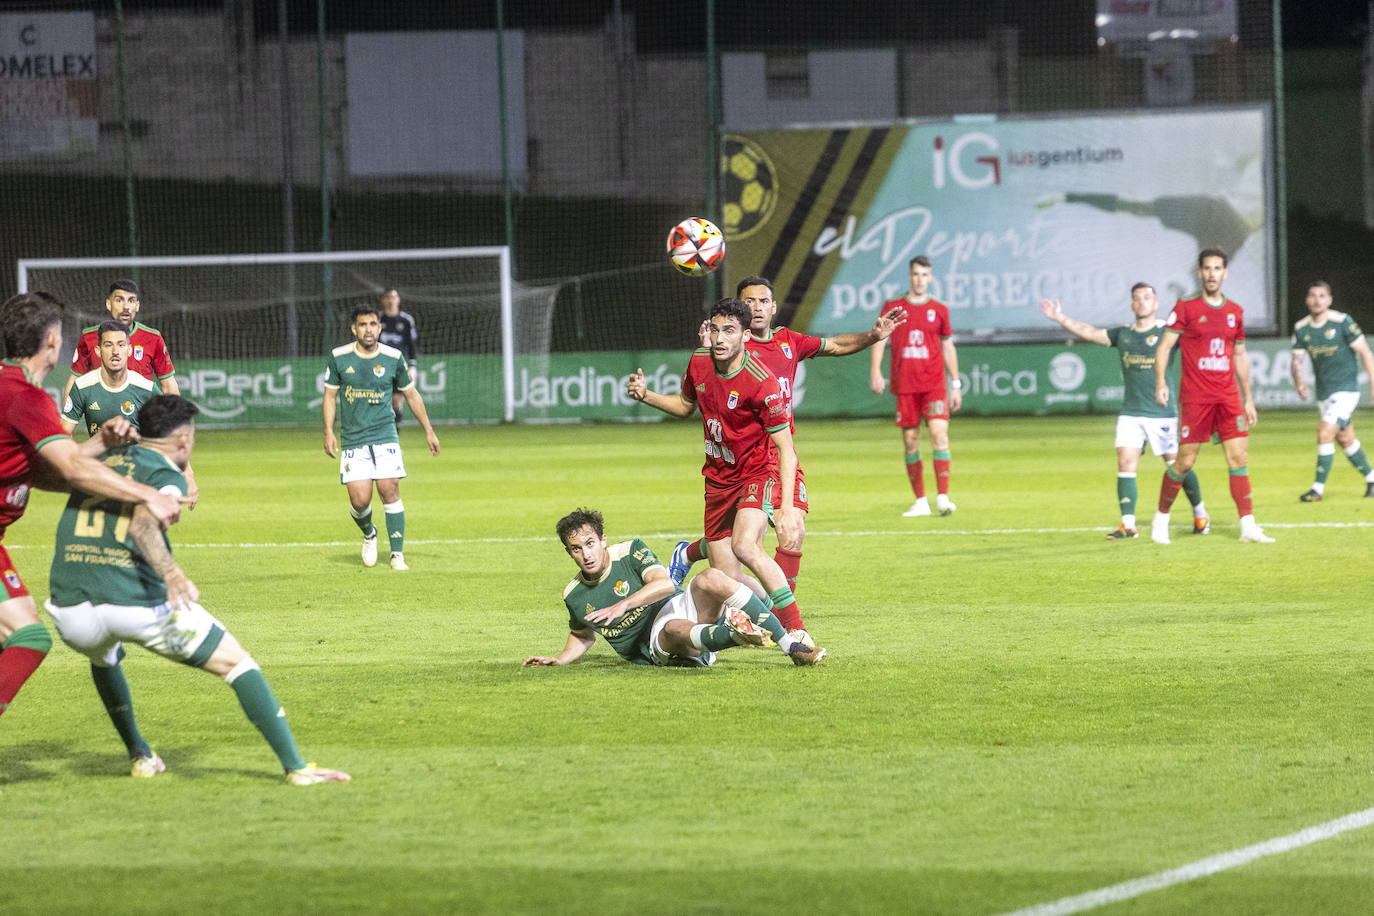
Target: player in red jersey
<point>148,351</point>
<point>750,467</point>
<point>1210,332</point>
<point>782,350</point>
<point>921,356</point>
<point>30,428</point>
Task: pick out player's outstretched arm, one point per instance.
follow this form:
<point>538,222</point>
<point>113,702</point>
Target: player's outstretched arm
<point>845,344</point>
<point>1052,310</point>
<point>876,379</point>
<point>147,534</point>
<point>113,433</point>
<point>657,586</point>
<point>1296,359</point>
<point>673,405</point>
<point>1166,346</point>
<point>80,471</point>
<point>579,641</point>
<point>417,407</point>
<point>329,407</point>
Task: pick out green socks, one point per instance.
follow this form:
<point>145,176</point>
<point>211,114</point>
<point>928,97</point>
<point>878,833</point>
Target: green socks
<point>114,693</point>
<point>263,710</point>
<point>396,525</point>
<point>363,520</point>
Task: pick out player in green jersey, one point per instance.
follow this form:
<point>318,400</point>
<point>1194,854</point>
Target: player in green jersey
<point>624,593</point>
<point>1333,341</point>
<point>1142,418</point>
<point>114,580</point>
<point>359,380</point>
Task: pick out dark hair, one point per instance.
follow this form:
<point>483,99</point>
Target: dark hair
<point>129,286</point>
<point>108,326</point>
<point>753,281</point>
<point>576,519</point>
<point>164,414</point>
<point>365,308</point>
<point>733,308</point>
<point>919,259</point>
<point>1322,283</point>
<point>390,289</point>
<point>27,318</point>
<point>1213,253</point>
<point>1141,285</point>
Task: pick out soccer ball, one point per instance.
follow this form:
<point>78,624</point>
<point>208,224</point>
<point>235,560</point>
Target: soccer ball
<point>696,246</point>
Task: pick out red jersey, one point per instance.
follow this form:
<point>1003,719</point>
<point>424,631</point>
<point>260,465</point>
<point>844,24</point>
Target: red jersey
<point>781,352</point>
<point>918,363</point>
<point>1206,346</point>
<point>738,413</point>
<point>148,352</point>
<point>28,421</point>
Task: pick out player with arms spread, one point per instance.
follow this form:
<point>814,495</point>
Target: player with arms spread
<point>1142,418</point>
<point>750,466</point>
<point>1214,393</point>
<point>114,580</point>
<point>35,451</point>
<point>366,372</point>
<point>921,357</point>
<point>782,350</point>
<point>622,592</point>
<point>148,351</point>
<point>1332,340</point>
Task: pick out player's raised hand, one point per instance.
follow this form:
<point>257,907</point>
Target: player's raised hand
<point>635,386</point>
<point>704,332</point>
<point>1051,309</point>
<point>117,431</point>
<point>887,322</point>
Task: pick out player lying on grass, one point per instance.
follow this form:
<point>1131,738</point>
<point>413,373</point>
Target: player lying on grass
<point>114,580</point>
<point>623,592</point>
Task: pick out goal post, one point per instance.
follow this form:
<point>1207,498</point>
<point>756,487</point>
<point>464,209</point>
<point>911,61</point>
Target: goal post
<point>232,316</point>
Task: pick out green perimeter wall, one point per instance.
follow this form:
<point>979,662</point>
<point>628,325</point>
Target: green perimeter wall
<point>1039,379</point>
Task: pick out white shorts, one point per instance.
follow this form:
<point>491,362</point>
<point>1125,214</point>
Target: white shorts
<point>371,462</point>
<point>680,607</point>
<point>1160,432</point>
<point>96,631</point>
<point>1339,408</point>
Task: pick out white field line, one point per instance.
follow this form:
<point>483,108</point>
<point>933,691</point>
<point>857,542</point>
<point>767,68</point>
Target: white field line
<point>679,535</point>
<point>1199,869</point>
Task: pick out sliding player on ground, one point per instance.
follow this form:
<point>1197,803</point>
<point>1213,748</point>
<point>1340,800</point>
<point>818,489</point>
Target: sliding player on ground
<point>1214,393</point>
<point>922,355</point>
<point>623,592</point>
<point>750,466</point>
<point>782,350</point>
<point>1333,341</point>
<point>113,581</point>
<point>1142,419</point>
<point>365,373</point>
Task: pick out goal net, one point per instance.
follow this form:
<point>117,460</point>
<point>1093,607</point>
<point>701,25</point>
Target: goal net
<point>241,327</point>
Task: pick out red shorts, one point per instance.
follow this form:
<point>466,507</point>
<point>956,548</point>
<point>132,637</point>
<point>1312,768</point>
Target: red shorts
<point>14,586</point>
<point>929,404</point>
<point>1200,422</point>
<point>799,491</point>
<point>722,502</point>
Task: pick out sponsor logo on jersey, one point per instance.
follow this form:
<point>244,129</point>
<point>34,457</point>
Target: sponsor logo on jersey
<point>1230,320</point>
<point>1202,319</point>
<point>127,408</point>
<point>95,405</point>
<point>701,387</point>
<point>732,401</point>
<point>12,578</point>
<point>348,371</point>
<point>378,370</point>
<point>138,351</point>
<point>622,588</point>
<point>17,496</point>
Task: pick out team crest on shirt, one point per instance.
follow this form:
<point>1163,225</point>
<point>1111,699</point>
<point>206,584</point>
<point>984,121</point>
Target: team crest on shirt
<point>1150,341</point>
<point>12,579</point>
<point>930,315</point>
<point>378,370</point>
<point>787,350</point>
<point>622,588</point>
<point>733,400</point>
<point>138,351</point>
<point>127,408</point>
<point>1230,320</point>
<point>1330,333</point>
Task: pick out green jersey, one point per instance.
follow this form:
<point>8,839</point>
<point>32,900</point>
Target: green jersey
<point>92,402</point>
<point>1138,371</point>
<point>365,385</point>
<point>629,634</point>
<point>1328,343</point>
<point>96,560</point>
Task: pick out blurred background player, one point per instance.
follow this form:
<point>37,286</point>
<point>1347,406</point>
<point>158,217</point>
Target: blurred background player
<point>1213,395</point>
<point>400,331</point>
<point>35,451</point>
<point>624,593</point>
<point>148,351</point>
<point>750,466</point>
<point>367,373</point>
<point>1332,340</point>
<point>1142,418</point>
<point>113,581</point>
<point>782,350</point>
<point>922,355</point>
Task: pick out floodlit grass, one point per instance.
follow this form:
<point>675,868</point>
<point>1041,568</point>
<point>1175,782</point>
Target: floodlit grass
<point>1015,710</point>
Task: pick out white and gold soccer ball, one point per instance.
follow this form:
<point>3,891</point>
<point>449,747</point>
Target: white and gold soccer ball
<point>696,246</point>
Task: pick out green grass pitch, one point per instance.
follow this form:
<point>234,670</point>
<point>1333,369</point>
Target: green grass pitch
<point>1015,709</point>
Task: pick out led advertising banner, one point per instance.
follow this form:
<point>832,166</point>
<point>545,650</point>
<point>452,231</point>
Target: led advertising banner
<point>1075,208</point>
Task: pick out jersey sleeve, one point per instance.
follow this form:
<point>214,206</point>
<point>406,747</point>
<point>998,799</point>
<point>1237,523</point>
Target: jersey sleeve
<point>1114,337</point>
<point>331,373</point>
<point>414,340</point>
<point>805,345</point>
<point>1240,326</point>
<point>946,328</point>
<point>161,361</point>
<point>643,557</point>
<point>162,477</point>
<point>34,417</point>
<point>402,380</point>
<point>75,407</point>
<point>83,357</point>
<point>1176,320</point>
<point>772,411</point>
<point>689,389</point>
<point>1352,330</point>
